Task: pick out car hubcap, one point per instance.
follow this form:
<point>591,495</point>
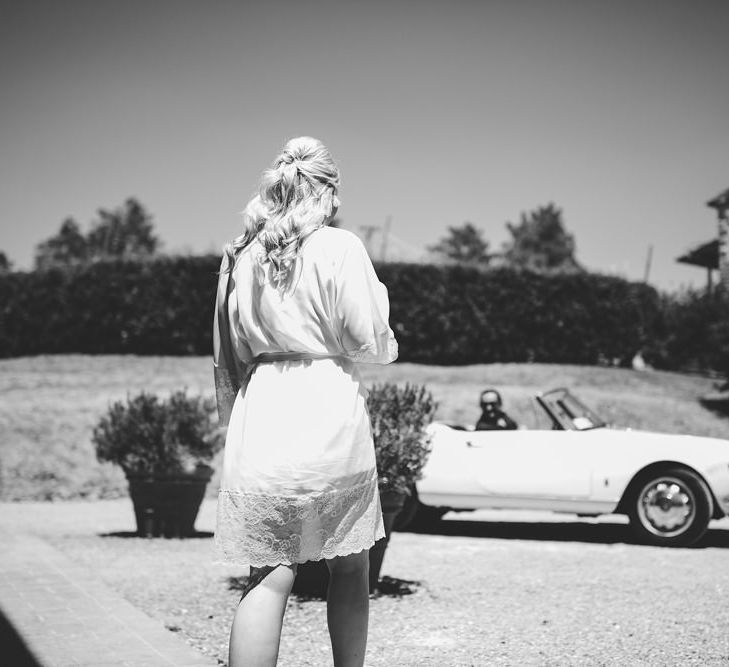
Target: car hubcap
<point>666,507</point>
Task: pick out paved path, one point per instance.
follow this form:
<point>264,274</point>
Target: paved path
<point>55,613</point>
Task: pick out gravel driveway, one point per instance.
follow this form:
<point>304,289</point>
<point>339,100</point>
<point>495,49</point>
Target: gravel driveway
<point>567,592</point>
<point>487,588</point>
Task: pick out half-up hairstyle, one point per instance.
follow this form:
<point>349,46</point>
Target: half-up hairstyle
<point>297,196</point>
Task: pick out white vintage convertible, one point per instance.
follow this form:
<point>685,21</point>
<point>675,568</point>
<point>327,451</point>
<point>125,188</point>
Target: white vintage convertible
<point>670,486</point>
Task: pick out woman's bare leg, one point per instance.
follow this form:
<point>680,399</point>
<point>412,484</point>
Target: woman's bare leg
<point>348,603</point>
<point>256,631</point>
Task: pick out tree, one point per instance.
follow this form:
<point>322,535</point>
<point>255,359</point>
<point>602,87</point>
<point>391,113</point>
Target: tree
<point>464,245</point>
<point>541,243</point>
<point>125,232</point>
<point>67,248</point>
<point>6,266</point>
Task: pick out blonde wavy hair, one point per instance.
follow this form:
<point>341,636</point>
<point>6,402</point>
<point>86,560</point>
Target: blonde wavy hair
<point>297,196</point>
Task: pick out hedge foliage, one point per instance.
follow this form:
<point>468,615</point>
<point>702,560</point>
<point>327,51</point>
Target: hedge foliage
<point>440,314</point>
<point>455,315</point>
<point>694,333</point>
<point>163,306</point>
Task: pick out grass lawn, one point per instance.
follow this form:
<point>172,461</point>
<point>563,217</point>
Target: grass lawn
<point>51,403</point>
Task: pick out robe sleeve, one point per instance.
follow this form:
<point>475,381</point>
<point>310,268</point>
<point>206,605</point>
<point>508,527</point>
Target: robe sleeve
<point>230,371</point>
<point>362,309</point>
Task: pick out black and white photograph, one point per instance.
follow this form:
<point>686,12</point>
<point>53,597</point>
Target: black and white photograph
<point>364,334</point>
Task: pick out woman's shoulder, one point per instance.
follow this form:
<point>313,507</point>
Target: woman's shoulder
<point>334,238</point>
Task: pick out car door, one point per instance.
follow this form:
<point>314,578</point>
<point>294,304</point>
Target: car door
<point>524,464</point>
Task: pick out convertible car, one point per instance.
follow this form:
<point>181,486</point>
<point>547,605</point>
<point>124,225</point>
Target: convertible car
<point>670,486</point>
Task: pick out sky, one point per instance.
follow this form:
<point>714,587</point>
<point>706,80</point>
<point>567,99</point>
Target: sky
<point>437,113</point>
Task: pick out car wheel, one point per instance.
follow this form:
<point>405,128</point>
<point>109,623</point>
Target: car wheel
<point>415,515</point>
<point>671,508</point>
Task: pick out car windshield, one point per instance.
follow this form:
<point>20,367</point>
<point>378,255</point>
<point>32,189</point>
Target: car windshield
<point>568,412</point>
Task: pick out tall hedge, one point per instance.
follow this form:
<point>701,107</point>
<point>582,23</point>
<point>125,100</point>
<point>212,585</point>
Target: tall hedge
<point>694,333</point>
<point>454,315</point>
<point>158,307</point>
<point>441,314</point>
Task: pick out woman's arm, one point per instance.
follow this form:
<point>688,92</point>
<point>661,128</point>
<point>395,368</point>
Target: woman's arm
<point>362,308</point>
<point>230,372</point>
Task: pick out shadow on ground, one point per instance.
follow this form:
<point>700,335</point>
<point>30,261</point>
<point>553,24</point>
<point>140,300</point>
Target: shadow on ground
<point>396,588</point>
<point>15,652</point>
<point>132,533</point>
<point>386,587</point>
<point>716,403</point>
<point>573,531</point>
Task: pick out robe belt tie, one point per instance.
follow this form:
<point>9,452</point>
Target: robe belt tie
<point>270,357</point>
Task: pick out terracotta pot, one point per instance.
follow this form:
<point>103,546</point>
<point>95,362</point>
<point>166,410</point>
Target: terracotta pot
<point>312,578</point>
<point>167,504</point>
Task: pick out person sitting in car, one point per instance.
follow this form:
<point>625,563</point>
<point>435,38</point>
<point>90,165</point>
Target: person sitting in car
<point>493,418</point>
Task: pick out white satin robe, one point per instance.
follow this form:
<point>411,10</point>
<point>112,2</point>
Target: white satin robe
<point>299,480</point>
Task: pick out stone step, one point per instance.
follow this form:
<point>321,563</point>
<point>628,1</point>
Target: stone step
<point>55,613</point>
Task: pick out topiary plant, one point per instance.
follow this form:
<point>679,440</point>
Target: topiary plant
<point>149,436</point>
<point>399,417</point>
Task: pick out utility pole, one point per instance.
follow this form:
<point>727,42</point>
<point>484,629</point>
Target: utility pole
<point>385,238</point>
<point>648,261</point>
<point>368,231</point>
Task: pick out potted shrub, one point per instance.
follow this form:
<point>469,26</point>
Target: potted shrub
<point>164,448</point>
<point>399,417</point>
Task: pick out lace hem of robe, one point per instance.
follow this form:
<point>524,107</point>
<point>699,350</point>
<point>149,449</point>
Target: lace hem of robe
<point>256,529</point>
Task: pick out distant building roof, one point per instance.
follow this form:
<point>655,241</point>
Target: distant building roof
<point>706,255</point>
<point>720,202</point>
